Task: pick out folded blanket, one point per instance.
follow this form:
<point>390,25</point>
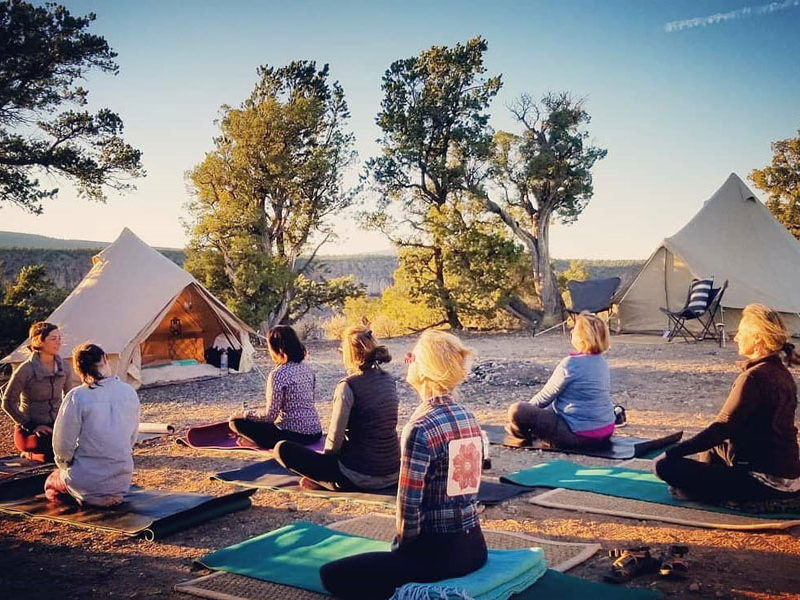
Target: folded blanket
<point>505,573</point>
<point>293,555</point>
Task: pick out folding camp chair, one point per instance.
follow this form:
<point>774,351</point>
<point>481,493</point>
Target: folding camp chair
<point>702,303</point>
<point>594,295</point>
<point>709,319</point>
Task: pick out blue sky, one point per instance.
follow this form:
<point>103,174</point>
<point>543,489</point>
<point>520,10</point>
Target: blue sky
<point>677,110</point>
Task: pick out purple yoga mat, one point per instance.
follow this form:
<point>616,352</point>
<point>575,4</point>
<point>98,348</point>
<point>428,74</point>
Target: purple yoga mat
<point>219,436</point>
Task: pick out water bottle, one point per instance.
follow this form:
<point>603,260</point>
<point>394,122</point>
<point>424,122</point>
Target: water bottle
<point>223,363</point>
<point>487,462</point>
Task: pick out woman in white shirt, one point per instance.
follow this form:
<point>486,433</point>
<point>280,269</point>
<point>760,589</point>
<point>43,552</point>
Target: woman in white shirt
<point>94,433</point>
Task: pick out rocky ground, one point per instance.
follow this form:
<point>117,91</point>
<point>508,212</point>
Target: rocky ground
<point>665,387</point>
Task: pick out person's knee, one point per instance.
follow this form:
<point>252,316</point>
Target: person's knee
<point>330,578</point>
<point>665,469</point>
<point>279,452</point>
<point>514,411</point>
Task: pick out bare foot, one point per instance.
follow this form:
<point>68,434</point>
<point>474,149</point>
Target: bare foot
<point>308,484</point>
<point>679,494</point>
<point>243,442</point>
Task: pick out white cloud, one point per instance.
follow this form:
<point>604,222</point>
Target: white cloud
<point>747,11</point>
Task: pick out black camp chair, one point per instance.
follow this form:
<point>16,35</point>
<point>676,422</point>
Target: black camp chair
<point>697,307</point>
<point>594,296</point>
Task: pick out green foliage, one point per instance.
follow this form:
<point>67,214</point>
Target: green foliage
<point>44,53</point>
<point>577,271</point>
<point>541,173</point>
<point>264,195</point>
<point>332,293</point>
<point>781,180</point>
<point>30,298</point>
<point>435,133</point>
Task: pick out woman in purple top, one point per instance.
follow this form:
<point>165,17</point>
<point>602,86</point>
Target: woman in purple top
<point>574,408</point>
<point>290,412</point>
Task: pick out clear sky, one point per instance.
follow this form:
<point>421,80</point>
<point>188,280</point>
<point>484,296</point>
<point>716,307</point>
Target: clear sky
<point>678,103</point>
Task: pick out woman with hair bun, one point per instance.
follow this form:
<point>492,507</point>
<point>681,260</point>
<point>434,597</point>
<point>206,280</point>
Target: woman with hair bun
<point>94,434</point>
<point>35,391</point>
<point>290,412</point>
<point>750,451</point>
<point>361,449</point>
<point>438,533</point>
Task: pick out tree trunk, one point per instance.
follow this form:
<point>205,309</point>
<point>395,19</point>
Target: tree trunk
<point>281,312</point>
<point>552,302</point>
<point>517,308</point>
<point>448,303</point>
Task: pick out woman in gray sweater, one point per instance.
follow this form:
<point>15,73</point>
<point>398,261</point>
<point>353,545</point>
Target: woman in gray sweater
<point>94,434</point>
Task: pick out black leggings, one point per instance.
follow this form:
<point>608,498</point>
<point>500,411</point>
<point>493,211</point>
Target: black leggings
<point>714,478</point>
<point>528,421</point>
<point>267,435</point>
<point>428,558</point>
<point>322,469</point>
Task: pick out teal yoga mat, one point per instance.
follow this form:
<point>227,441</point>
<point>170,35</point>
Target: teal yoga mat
<point>614,481</point>
<point>294,554</point>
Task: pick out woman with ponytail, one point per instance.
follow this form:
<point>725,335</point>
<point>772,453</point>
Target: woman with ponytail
<point>361,449</point>
<point>750,451</point>
<point>438,533</point>
<point>94,434</point>
<point>34,393</point>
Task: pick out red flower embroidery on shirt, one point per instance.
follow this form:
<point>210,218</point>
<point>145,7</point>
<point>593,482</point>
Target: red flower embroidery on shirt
<point>467,466</point>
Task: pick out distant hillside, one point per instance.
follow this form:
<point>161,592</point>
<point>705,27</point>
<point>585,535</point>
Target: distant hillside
<point>10,239</point>
<point>68,261</point>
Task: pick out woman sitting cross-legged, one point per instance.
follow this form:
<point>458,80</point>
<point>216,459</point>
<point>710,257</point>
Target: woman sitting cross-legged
<point>35,391</point>
<point>94,434</point>
<point>574,408</point>
<point>750,451</point>
<point>361,450</point>
<point>290,413</point>
<point>438,532</point>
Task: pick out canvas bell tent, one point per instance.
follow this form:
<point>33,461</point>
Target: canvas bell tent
<point>734,237</point>
<point>152,318</point>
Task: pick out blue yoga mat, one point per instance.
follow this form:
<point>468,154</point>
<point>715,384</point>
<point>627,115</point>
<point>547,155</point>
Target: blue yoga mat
<point>293,555</point>
<point>615,481</point>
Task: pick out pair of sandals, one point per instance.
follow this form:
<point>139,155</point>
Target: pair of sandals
<point>632,562</point>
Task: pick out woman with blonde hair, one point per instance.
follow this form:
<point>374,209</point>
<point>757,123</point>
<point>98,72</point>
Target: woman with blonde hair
<point>35,391</point>
<point>361,448</point>
<point>750,451</point>
<point>438,533</point>
<point>574,408</point>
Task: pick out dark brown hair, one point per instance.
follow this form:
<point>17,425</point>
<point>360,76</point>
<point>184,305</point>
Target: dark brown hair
<point>283,340</point>
<point>38,333</point>
<point>85,361</point>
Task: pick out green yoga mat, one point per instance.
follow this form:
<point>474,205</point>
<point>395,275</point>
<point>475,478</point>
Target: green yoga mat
<point>566,587</point>
<point>293,555</point>
<point>614,481</point>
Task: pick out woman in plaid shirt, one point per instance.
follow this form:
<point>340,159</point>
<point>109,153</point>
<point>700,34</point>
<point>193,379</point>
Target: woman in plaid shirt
<point>438,532</point>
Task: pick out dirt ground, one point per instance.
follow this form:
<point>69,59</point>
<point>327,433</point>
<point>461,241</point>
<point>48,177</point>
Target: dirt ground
<point>665,387</point>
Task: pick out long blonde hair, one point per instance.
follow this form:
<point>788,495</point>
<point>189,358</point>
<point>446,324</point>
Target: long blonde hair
<point>360,349</point>
<point>769,329</point>
<point>441,361</point>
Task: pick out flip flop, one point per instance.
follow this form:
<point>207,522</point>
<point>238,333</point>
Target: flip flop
<point>630,563</point>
